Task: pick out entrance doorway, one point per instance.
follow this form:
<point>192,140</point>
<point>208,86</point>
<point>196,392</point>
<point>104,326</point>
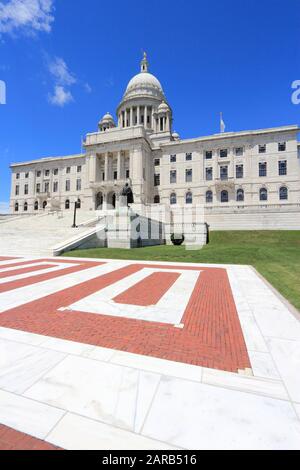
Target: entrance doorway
<point>111,200</point>
<point>99,201</point>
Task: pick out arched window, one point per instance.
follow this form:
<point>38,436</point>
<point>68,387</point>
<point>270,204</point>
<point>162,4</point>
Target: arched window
<point>189,198</point>
<point>78,203</point>
<point>16,207</point>
<point>224,196</point>
<point>36,206</point>
<point>209,197</point>
<point>25,207</point>
<point>263,194</point>
<point>67,204</point>
<point>283,193</point>
<point>45,204</point>
<point>240,195</point>
<point>156,200</point>
<point>173,199</point>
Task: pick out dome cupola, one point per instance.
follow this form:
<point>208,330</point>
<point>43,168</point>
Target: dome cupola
<point>143,95</point>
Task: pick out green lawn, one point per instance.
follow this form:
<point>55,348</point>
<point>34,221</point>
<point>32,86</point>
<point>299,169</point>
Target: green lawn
<point>275,254</point>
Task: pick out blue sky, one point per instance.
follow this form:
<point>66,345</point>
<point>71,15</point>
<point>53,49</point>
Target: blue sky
<point>66,63</point>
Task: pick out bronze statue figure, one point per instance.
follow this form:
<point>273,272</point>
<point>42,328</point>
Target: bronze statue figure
<point>127,192</point>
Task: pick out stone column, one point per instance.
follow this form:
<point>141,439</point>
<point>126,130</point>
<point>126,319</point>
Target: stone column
<point>145,117</point>
<point>93,168</point>
<point>106,167</point>
<point>120,173</point>
<point>167,123</point>
<point>131,116</point>
<point>125,117</point>
<point>138,112</point>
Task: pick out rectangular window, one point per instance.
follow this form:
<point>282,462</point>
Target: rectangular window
<point>55,171</point>
<point>68,170</point>
<point>38,174</point>
<point>208,155</point>
<point>173,158</point>
<point>239,170</point>
<point>189,176</point>
<point>68,185</point>
<point>189,157</point>
<point>17,192</point>
<point>79,168</point>
<point>282,168</point>
<point>157,180</point>
<point>223,153</point>
<point>173,176</point>
<point>282,147</point>
<point>46,187</point>
<point>209,173</point>
<point>157,162</point>
<point>55,186</point>
<point>224,172</point>
<point>26,175</point>
<point>78,185</point>
<point>239,151</point>
<point>17,176</point>
<point>263,169</point>
<point>47,173</point>
<point>115,175</point>
<point>127,174</point>
<point>103,176</point>
<point>38,188</point>
<point>26,189</point>
<point>262,148</point>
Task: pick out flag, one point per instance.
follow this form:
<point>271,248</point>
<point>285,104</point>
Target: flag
<point>222,124</point>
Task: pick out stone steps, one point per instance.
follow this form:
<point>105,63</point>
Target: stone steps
<point>37,235</point>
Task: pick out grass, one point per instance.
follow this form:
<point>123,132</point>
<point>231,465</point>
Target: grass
<point>275,254</point>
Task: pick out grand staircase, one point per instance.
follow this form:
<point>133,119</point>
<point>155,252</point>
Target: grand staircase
<point>36,235</point>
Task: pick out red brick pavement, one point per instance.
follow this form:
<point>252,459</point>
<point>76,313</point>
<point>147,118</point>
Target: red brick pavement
<point>211,337</point>
<point>15,440</point>
<point>7,258</point>
<point>148,291</point>
<point>16,272</point>
<point>79,266</point>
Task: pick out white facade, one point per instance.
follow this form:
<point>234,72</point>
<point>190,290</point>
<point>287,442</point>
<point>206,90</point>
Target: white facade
<point>236,171</point>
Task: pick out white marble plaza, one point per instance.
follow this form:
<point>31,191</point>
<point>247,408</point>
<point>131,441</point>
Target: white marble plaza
<point>80,396</point>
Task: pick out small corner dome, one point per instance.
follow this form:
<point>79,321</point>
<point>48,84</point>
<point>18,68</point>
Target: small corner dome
<point>163,108</point>
<point>107,118</point>
<point>176,136</point>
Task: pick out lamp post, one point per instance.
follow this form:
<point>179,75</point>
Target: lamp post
<point>75,211</point>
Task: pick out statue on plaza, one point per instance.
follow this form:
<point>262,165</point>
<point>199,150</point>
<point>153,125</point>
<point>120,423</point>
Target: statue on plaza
<point>128,194</point>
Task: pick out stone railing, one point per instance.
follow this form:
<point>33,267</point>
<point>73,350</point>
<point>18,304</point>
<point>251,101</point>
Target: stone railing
<point>253,208</point>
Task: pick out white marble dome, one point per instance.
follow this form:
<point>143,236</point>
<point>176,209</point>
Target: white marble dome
<point>144,84</point>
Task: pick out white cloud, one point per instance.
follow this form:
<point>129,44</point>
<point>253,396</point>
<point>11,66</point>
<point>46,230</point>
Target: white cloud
<point>28,16</point>
<point>61,96</point>
<point>4,207</point>
<point>63,80</point>
<point>59,69</point>
<point>88,88</point>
